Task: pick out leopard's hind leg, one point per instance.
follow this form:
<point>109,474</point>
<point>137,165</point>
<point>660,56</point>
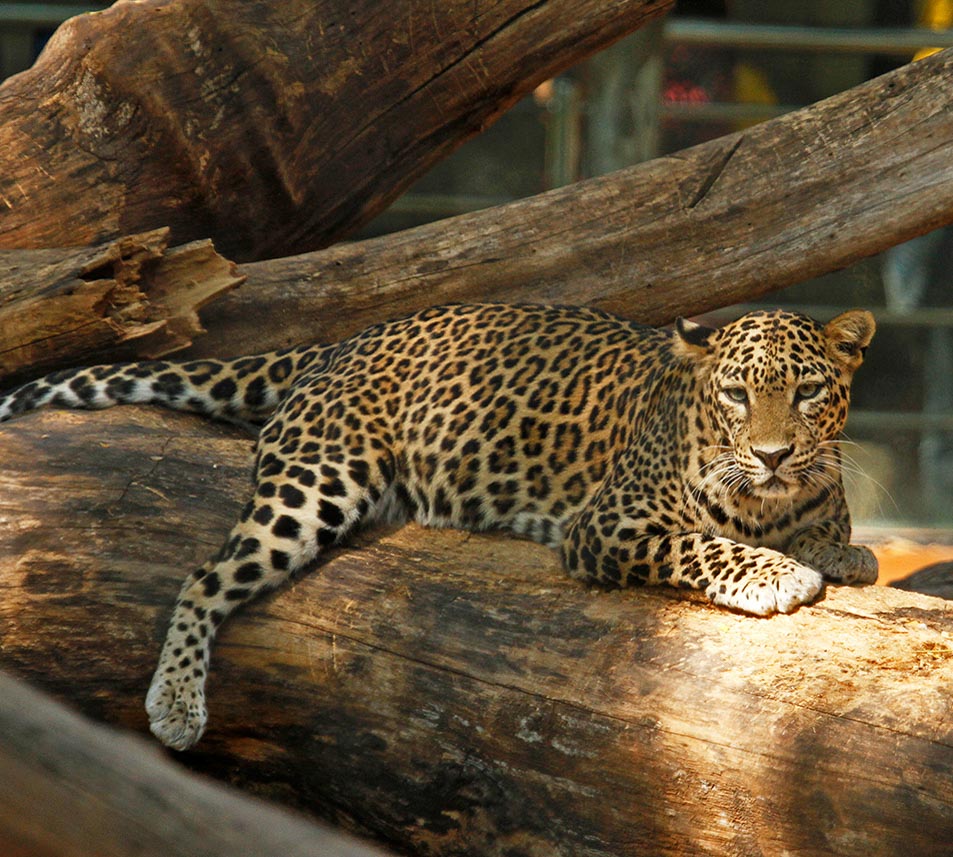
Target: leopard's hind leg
<point>301,505</point>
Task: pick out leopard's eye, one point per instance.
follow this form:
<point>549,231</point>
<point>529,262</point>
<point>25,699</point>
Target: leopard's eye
<point>807,390</point>
<point>738,395</point>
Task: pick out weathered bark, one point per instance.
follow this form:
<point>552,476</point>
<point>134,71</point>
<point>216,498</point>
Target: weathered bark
<point>716,224</point>
<point>713,225</point>
<point>69,788</point>
<point>457,694</point>
<point>269,127</point>
<point>126,299</point>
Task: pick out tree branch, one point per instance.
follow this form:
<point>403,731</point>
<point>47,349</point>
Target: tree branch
<point>237,120</point>
<point>70,787</point>
<point>720,223</point>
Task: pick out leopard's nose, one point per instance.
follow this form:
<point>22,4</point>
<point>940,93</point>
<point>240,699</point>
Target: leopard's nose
<point>773,458</point>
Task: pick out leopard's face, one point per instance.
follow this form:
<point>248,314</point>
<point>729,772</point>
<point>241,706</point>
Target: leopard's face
<point>776,391</point>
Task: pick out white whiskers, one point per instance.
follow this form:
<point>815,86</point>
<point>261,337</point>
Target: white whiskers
<point>721,477</point>
<point>833,463</point>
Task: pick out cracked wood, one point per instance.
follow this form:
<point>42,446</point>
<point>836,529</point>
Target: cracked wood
<point>454,693</point>
<point>236,120</point>
<point>130,298</point>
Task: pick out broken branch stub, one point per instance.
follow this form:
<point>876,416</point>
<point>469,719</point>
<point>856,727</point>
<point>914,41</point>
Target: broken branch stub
<point>128,299</point>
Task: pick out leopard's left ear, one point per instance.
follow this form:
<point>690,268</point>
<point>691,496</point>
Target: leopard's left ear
<point>848,336</point>
<point>692,339</point>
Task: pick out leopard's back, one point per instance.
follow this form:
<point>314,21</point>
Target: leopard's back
<point>485,415</point>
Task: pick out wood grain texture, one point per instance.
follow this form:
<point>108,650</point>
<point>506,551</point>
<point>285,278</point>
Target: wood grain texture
<point>269,126</point>
<point>69,788</point>
<point>458,694</point>
<point>723,222</point>
<point>125,299</point>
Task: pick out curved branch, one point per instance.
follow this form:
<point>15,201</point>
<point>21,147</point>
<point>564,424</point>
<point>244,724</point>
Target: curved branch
<point>720,223</point>
<point>236,120</point>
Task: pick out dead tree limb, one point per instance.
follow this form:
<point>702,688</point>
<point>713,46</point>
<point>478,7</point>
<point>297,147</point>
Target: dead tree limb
<point>716,224</point>
<point>723,222</point>
<point>458,694</point>
<point>69,787</point>
<point>270,127</point>
<point>125,299</point>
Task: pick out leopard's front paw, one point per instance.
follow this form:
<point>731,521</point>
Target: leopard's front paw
<point>849,564</point>
<point>778,584</point>
<point>176,708</point>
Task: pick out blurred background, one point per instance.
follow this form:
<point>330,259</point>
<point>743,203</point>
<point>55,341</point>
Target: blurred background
<point>710,68</point>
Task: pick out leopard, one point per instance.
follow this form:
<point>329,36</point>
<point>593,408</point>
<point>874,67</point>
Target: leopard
<point>699,457</point>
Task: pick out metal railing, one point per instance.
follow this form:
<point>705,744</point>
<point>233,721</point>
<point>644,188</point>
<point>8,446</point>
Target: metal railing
<point>44,14</point>
<point>899,42</point>
<point>691,31</point>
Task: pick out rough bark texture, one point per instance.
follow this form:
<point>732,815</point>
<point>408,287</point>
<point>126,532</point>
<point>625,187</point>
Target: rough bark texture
<point>269,127</point>
<point>457,694</point>
<point>130,298</point>
<point>69,788</point>
<point>713,225</point>
<point>719,223</point>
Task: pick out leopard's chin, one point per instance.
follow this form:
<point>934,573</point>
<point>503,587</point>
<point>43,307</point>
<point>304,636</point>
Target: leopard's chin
<point>773,488</point>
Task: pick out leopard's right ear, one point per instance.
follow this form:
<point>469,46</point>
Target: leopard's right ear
<point>692,340</point>
<point>848,336</point>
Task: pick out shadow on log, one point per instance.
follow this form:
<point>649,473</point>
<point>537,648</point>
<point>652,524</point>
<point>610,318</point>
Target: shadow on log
<point>457,694</point>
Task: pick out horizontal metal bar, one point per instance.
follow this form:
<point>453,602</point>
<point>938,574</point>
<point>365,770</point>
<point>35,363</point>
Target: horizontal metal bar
<point>883,533</point>
<point>44,14</point>
<point>781,37</point>
<point>723,111</point>
<point>444,205</point>
<point>694,31</point>
<point>912,421</point>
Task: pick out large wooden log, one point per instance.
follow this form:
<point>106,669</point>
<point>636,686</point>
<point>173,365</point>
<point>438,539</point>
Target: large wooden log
<point>719,223</point>
<point>268,126</point>
<point>457,694</point>
<point>713,225</point>
<point>69,788</point>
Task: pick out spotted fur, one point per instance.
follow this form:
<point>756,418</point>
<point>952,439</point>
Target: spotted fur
<point>699,458</point>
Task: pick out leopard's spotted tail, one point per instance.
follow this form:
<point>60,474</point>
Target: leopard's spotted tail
<point>244,390</point>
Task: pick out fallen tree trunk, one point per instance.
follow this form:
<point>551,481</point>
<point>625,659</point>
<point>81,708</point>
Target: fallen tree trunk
<point>269,127</point>
<point>720,223</point>
<point>68,787</point>
<point>130,298</point>
<point>458,694</point>
<point>723,222</point>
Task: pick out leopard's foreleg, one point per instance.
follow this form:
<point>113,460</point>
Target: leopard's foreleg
<point>824,547</point>
<point>753,580</point>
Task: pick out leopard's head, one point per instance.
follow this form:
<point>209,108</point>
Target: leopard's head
<point>776,386</point>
